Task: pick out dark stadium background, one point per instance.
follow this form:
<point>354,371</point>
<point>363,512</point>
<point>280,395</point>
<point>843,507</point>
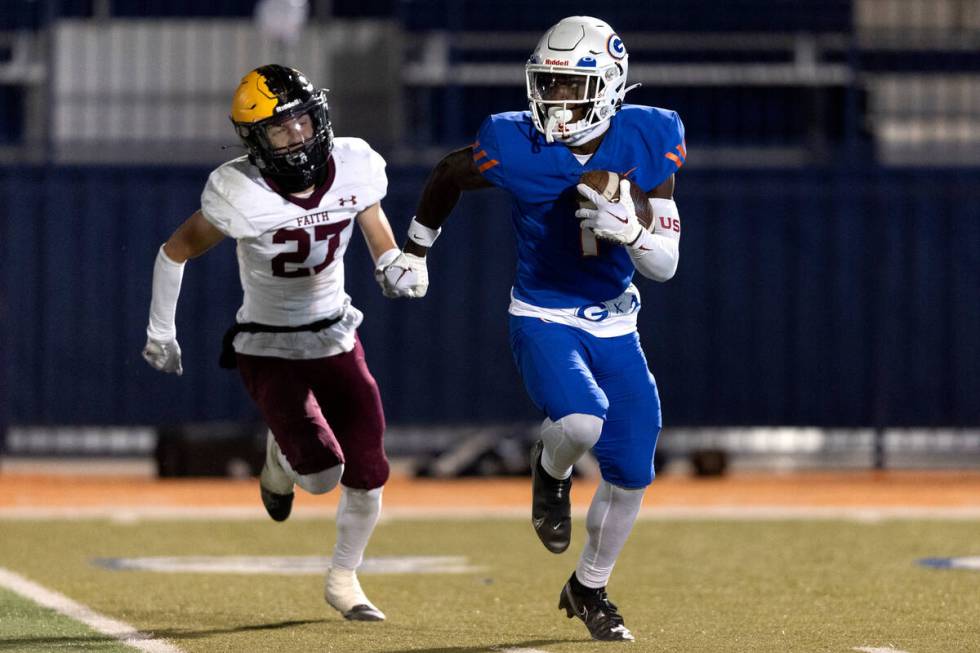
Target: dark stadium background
<point>829,277</point>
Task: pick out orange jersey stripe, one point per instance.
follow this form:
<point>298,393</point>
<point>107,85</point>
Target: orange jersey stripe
<point>682,148</point>
<point>479,155</point>
<point>489,164</point>
<point>676,159</point>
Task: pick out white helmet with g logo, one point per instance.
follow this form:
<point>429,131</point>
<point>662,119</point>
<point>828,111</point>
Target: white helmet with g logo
<point>587,60</point>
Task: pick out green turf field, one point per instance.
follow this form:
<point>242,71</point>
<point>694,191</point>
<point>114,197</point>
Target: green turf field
<point>25,626</point>
<point>687,586</point>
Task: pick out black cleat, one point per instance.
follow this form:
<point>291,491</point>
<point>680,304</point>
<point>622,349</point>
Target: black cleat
<point>343,593</point>
<point>594,608</point>
<point>364,613</point>
<point>277,505</point>
<point>551,507</point>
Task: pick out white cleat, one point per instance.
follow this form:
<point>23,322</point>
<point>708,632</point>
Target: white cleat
<point>343,593</point>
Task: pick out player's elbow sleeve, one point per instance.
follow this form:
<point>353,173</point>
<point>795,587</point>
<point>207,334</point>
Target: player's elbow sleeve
<point>658,259</point>
<point>667,273</point>
<point>661,271</point>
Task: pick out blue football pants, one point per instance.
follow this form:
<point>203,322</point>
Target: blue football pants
<point>567,370</point>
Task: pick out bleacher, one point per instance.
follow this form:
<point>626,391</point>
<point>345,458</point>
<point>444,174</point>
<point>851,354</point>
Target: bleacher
<point>758,82</point>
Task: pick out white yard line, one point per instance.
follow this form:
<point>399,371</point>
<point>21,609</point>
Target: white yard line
<point>518,650</point>
<point>60,603</point>
<point>872,649</point>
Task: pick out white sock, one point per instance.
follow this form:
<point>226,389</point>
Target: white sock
<point>608,523</point>
<point>277,476</point>
<point>566,440</point>
<point>286,467</point>
<point>357,515</point>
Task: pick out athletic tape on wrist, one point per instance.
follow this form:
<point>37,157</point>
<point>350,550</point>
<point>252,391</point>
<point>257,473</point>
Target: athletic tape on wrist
<point>420,234</point>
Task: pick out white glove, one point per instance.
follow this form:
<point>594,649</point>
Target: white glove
<point>163,356</point>
<point>402,275</point>
<point>615,221</point>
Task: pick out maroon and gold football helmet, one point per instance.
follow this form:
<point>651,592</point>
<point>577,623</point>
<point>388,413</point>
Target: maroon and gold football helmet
<point>284,122</point>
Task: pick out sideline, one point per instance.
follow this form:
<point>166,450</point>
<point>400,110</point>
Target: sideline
<point>60,603</point>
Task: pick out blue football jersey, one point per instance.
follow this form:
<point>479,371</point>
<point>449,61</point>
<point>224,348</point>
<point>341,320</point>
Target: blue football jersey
<point>646,144</point>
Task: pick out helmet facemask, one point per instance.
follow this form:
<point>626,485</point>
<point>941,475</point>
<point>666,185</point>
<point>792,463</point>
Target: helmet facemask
<point>274,99</point>
<point>567,102</point>
<point>293,147</point>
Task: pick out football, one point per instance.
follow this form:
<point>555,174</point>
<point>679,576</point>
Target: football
<point>607,183</point>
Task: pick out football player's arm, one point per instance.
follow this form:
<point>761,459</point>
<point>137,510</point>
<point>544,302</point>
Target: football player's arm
<point>455,173</point>
<point>406,275</point>
<point>194,237</point>
<point>377,231</point>
<point>656,252</point>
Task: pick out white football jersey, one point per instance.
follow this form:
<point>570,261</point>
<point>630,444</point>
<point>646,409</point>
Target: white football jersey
<point>291,249</point>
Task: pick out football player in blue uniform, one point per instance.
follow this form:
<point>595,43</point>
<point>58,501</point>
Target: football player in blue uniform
<point>573,305</point>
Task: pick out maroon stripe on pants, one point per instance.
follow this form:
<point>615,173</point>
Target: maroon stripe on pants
<point>322,411</point>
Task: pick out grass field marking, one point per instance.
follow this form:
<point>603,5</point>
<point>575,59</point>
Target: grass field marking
<point>289,565</point>
<point>60,603</point>
<point>872,649</point>
<point>517,650</point>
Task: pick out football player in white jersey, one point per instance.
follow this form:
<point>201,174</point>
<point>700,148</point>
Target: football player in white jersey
<point>291,204</point>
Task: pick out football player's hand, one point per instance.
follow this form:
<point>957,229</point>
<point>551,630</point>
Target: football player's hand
<point>163,356</point>
<point>615,221</point>
<point>402,275</point>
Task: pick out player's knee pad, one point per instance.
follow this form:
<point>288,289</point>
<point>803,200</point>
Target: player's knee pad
<point>321,482</point>
<point>566,440</point>
<point>581,429</point>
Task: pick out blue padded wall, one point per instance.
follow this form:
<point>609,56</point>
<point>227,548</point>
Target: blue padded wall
<point>803,297</point>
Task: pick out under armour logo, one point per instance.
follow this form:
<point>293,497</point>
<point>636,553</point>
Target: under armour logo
<point>343,201</point>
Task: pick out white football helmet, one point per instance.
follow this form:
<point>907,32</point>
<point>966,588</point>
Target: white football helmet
<point>588,61</point>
